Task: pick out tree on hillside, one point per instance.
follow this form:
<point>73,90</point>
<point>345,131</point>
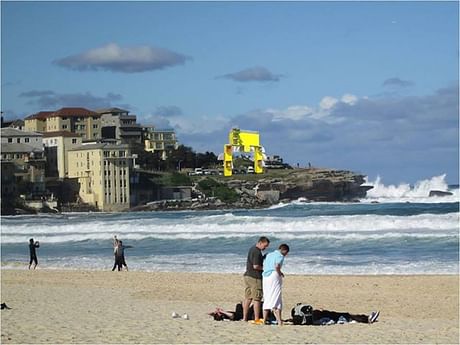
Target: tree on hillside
<point>183,157</point>
<point>206,160</point>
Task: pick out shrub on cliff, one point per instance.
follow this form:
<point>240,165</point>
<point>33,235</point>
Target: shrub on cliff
<point>212,188</point>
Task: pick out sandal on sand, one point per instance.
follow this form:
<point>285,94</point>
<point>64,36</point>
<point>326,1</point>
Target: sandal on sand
<point>374,316</point>
<point>257,322</point>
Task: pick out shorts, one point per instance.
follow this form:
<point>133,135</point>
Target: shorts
<point>253,288</point>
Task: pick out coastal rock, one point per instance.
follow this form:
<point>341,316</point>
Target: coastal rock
<point>269,196</point>
<point>439,193</point>
<point>304,184</point>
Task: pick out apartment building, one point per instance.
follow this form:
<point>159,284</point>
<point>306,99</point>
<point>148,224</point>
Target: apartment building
<point>15,136</point>
<point>120,125</point>
<point>22,154</point>
<point>17,124</point>
<point>81,121</point>
<point>37,122</point>
<point>57,145</point>
<point>103,172</point>
<point>159,140</point>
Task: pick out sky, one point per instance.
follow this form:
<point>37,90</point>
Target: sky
<point>370,87</point>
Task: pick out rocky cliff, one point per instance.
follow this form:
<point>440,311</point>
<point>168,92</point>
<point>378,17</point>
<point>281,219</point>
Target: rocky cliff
<point>310,184</point>
<point>257,191</point>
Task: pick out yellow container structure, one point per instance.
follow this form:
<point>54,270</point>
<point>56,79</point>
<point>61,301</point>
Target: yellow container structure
<point>242,141</point>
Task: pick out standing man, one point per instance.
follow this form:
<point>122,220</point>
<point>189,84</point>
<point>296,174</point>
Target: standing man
<point>33,254</point>
<point>253,279</point>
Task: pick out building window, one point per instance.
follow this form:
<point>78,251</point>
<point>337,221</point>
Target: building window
<point>121,153</point>
<point>95,126</point>
<point>18,140</point>
<point>74,141</point>
<point>10,140</point>
<point>26,140</point>
<point>64,126</point>
<point>106,154</point>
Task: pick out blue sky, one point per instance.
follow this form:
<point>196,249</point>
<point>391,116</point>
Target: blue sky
<point>366,86</point>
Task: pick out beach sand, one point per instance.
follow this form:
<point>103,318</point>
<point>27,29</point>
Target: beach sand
<point>50,306</point>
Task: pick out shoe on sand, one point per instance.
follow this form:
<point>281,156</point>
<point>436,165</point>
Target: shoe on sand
<point>374,316</point>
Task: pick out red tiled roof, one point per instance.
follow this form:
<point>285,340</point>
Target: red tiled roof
<point>60,134</point>
<point>42,115</point>
<point>77,112</point>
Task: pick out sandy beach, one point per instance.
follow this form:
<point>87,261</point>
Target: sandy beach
<point>51,306</point>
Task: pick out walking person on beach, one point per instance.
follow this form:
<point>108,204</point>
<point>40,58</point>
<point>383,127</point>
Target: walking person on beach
<point>33,253</point>
<point>119,253</point>
<point>115,248</point>
<point>253,279</point>
<point>272,279</point>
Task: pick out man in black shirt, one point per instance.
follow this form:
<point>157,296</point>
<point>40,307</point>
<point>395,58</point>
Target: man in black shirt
<point>253,279</point>
<point>33,254</point>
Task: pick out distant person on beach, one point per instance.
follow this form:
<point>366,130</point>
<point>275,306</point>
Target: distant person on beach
<point>33,253</point>
<point>253,279</point>
<point>115,248</point>
<point>119,252</point>
<point>272,279</point>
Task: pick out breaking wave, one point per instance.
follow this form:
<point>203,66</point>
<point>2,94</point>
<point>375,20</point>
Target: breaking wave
<point>419,192</point>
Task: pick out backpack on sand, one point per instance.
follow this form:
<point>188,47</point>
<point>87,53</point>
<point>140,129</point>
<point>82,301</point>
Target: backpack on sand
<point>302,314</point>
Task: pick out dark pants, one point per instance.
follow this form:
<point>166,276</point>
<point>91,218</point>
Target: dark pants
<point>319,314</point>
<point>34,259</point>
<point>118,263</point>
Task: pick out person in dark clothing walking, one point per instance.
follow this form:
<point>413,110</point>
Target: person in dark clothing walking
<point>119,252</point>
<point>33,253</point>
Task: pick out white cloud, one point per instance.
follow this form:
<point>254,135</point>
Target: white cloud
<point>322,112</point>
<point>185,124</point>
<point>295,112</point>
<point>328,102</point>
<point>349,99</point>
<point>112,57</point>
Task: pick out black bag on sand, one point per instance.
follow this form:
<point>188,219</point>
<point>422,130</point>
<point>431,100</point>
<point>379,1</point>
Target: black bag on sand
<point>302,314</point>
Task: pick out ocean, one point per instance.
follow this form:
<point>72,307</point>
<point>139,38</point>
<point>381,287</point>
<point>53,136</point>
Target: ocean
<point>394,230</point>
